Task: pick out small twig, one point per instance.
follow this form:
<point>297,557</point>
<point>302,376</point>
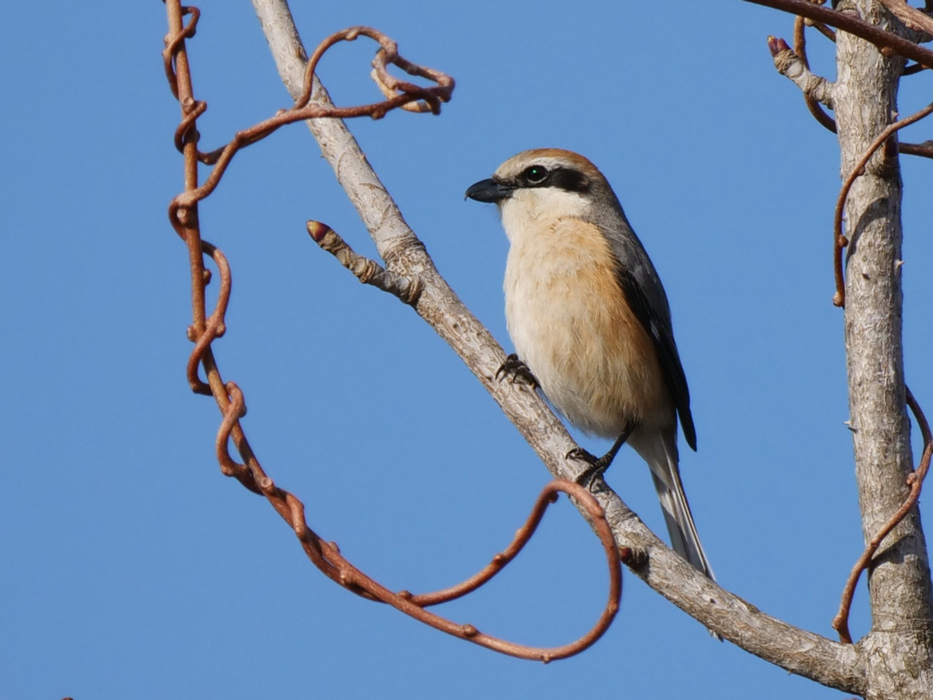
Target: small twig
<point>793,64</point>
<point>822,29</point>
<point>815,88</point>
<point>800,48</point>
<point>367,271</point>
<point>915,481</point>
<point>839,240</point>
<point>924,149</point>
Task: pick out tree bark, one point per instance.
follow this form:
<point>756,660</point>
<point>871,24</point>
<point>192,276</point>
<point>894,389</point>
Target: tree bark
<point>898,652</point>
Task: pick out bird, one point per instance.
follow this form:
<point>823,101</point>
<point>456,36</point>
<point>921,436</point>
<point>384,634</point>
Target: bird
<point>591,323</point>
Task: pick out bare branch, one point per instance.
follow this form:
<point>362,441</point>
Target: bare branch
<point>793,67</point>
<point>821,28</point>
<point>367,271</point>
<point>800,652</point>
<point>886,41</point>
<point>793,64</point>
<point>924,149</point>
<point>797,651</point>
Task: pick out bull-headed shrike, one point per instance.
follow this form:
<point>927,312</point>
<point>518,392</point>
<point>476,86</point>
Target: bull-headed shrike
<point>589,318</point>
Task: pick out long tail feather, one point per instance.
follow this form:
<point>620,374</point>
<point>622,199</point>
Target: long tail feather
<point>683,531</point>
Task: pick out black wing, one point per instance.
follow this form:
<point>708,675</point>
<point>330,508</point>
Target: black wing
<point>659,330</point>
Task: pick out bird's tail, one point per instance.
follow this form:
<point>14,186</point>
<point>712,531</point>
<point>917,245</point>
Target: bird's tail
<point>683,531</point>
<point>660,452</point>
<point>662,459</point>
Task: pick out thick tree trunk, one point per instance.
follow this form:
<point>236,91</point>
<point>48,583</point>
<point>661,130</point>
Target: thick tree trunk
<point>899,649</point>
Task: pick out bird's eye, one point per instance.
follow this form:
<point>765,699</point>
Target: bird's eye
<point>534,175</point>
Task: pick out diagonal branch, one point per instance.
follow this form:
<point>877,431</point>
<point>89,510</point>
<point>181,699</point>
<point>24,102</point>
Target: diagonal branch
<point>795,650</point>
<point>406,289</point>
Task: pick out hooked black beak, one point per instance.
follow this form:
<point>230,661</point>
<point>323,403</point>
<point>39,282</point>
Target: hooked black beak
<point>489,191</point>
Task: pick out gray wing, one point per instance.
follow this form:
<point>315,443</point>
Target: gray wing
<point>645,295</point>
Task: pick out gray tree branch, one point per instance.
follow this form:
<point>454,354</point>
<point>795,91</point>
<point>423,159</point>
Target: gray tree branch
<point>899,648</point>
<point>825,661</point>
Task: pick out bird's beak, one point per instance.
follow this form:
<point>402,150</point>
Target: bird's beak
<point>489,191</point>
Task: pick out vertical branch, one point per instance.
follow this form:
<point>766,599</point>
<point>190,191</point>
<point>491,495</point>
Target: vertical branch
<point>866,103</point>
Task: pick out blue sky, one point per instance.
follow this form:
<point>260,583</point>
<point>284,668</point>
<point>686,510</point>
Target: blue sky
<point>134,569</point>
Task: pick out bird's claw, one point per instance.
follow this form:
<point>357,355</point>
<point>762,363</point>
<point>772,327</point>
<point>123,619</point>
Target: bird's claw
<point>516,371</point>
<point>595,469</point>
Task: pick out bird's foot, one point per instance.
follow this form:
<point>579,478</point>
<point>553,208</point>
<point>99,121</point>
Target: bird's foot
<point>516,371</point>
<point>596,466</point>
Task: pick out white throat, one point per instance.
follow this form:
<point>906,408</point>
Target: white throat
<point>529,208</point>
